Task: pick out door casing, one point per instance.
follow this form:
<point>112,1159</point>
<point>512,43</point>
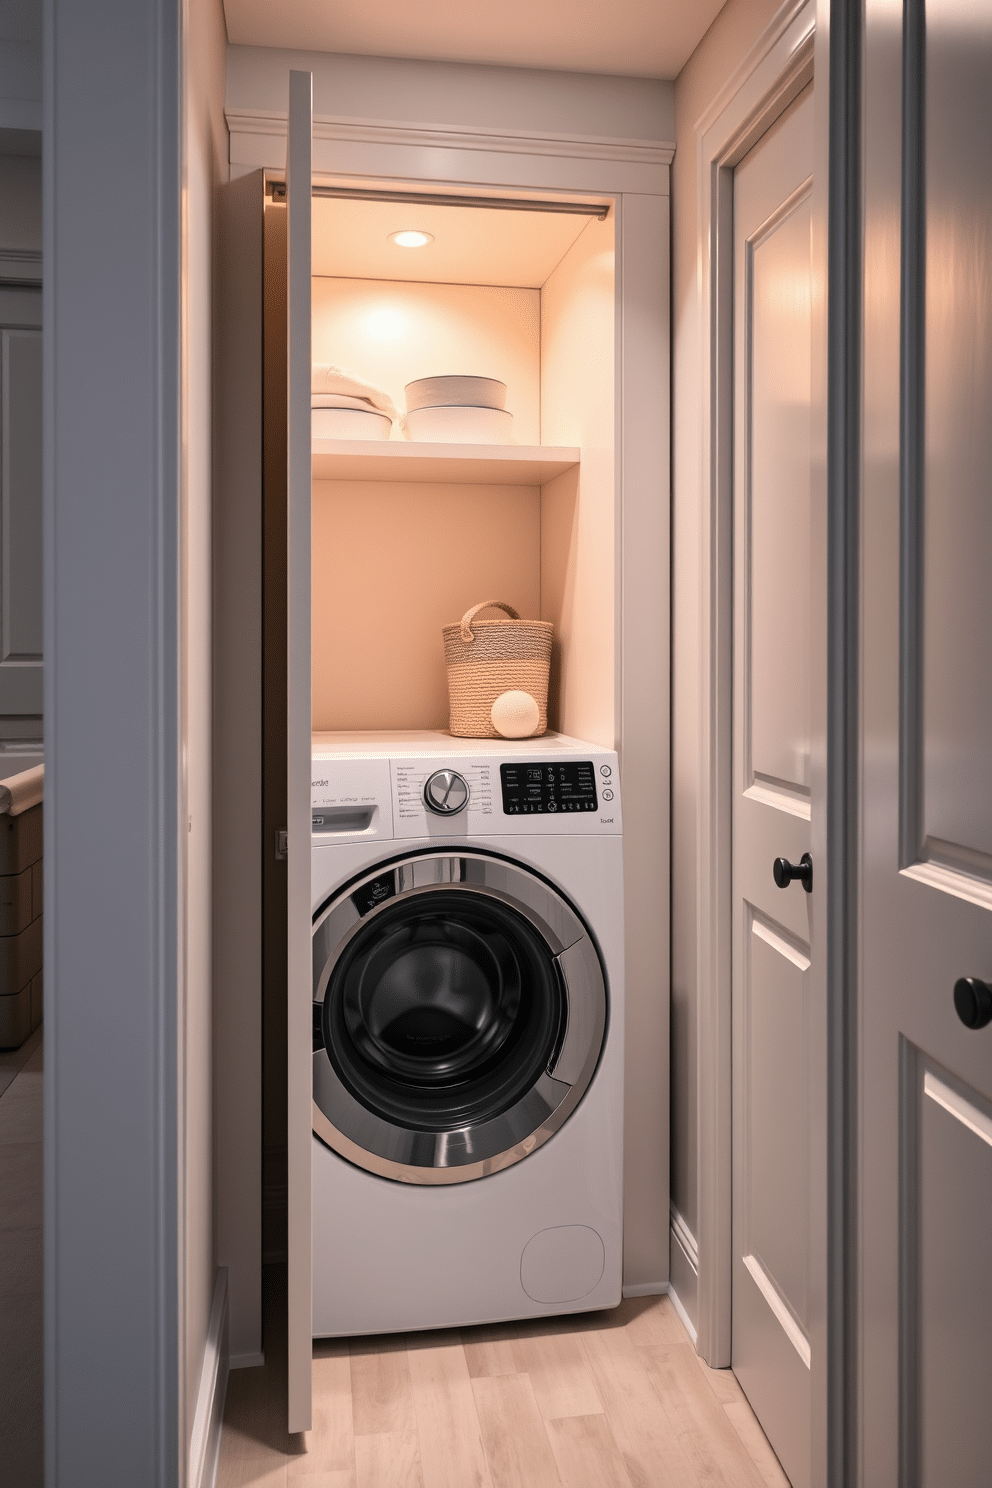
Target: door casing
<point>778,68</point>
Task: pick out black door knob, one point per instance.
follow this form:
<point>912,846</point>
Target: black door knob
<point>785,872</point>
<point>973,1002</point>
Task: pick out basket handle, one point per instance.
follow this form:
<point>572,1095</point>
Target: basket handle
<point>468,634</point>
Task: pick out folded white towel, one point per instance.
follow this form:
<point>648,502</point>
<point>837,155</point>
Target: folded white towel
<point>19,792</point>
<point>328,379</point>
<point>341,400</point>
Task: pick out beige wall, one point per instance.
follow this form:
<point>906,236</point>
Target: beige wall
<point>394,562</point>
<point>391,332</point>
<point>579,508</point>
<point>206,155</point>
<point>714,61</point>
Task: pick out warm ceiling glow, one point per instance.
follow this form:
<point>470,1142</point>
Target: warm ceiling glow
<point>411,239</point>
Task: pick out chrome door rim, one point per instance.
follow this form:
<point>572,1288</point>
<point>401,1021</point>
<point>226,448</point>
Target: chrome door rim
<point>401,1153</point>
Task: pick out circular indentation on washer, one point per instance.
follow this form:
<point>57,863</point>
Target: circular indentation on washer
<point>605,770</point>
<point>607,795</point>
<point>562,1264</point>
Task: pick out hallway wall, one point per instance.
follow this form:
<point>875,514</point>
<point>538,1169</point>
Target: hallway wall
<point>711,66</point>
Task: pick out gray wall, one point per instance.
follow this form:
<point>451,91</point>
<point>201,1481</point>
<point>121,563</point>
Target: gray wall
<point>129,266</point>
<point>453,95</point>
<point>114,791</point>
<point>709,68</point>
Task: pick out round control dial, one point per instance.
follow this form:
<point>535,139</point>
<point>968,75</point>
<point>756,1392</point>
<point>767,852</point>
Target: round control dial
<point>446,792</point>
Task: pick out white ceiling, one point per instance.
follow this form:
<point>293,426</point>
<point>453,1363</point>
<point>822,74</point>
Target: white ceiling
<point>639,38</point>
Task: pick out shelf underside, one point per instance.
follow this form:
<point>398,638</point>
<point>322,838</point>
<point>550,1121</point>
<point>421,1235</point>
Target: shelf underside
<point>452,464</point>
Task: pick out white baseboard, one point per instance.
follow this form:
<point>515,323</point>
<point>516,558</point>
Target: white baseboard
<point>204,1442</point>
<point>646,1289</point>
<point>685,1237</point>
<point>684,1260</point>
<point>673,1297</point>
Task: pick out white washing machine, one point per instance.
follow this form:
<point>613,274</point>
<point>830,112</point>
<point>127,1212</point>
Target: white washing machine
<point>468,1030</point>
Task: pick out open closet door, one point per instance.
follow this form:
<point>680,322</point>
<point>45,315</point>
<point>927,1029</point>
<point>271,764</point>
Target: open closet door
<point>299,1125</point>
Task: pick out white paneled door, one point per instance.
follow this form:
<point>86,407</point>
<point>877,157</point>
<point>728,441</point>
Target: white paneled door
<point>20,513</point>
<point>926,901</point>
<point>773,929</point>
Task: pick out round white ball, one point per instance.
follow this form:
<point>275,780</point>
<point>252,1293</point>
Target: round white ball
<point>515,715</point>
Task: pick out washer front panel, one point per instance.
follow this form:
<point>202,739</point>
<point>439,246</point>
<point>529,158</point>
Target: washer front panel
<point>459,1016</point>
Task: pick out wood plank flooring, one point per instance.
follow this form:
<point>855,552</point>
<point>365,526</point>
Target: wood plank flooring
<point>600,1400</point>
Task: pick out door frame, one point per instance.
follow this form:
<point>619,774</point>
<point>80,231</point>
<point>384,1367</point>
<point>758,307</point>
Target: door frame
<point>635,174</point>
<point>778,67</point>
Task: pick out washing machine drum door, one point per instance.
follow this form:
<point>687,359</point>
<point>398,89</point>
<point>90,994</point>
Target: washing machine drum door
<point>459,1011</point>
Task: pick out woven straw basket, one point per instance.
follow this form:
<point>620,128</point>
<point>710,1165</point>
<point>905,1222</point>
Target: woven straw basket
<point>488,657</point>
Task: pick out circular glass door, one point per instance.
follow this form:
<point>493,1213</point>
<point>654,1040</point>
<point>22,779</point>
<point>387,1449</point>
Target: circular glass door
<point>459,1012</point>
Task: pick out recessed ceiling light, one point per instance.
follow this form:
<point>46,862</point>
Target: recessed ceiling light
<point>411,239</point>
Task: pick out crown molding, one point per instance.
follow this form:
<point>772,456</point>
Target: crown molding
<point>507,142</point>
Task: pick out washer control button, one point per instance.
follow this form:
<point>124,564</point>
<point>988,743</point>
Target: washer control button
<point>605,770</point>
<point>446,792</point>
<point>607,795</point>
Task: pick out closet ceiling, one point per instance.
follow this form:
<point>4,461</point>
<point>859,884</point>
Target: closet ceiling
<point>639,38</point>
<point>472,245</point>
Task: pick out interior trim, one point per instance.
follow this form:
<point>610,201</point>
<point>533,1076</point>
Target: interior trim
<point>684,1317</point>
<point>208,1417</point>
<point>505,142</point>
<point>774,72</point>
<point>969,1115</point>
<point>783,1316</point>
<point>20,266</point>
<point>599,210</point>
<point>685,1237</point>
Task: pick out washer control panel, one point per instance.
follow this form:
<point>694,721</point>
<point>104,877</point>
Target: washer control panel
<point>547,787</point>
<point>446,792</point>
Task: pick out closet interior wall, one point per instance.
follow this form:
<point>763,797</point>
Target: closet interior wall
<point>393,561</point>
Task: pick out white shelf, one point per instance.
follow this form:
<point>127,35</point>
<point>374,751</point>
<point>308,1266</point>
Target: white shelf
<point>461,464</point>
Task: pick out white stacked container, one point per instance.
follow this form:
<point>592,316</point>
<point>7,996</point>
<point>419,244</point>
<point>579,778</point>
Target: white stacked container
<point>457,410</point>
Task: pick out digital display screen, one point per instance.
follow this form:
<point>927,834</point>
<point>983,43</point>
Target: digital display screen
<point>553,787</point>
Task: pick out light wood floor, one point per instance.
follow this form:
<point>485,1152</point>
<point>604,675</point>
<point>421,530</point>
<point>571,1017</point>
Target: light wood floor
<point>601,1400</point>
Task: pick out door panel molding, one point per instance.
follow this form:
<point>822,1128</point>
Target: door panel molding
<point>770,77</point>
<point>939,1245</point>
<point>970,1115</point>
<point>779,1307</point>
<point>780,940</point>
<point>783,786</point>
<point>928,839</point>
